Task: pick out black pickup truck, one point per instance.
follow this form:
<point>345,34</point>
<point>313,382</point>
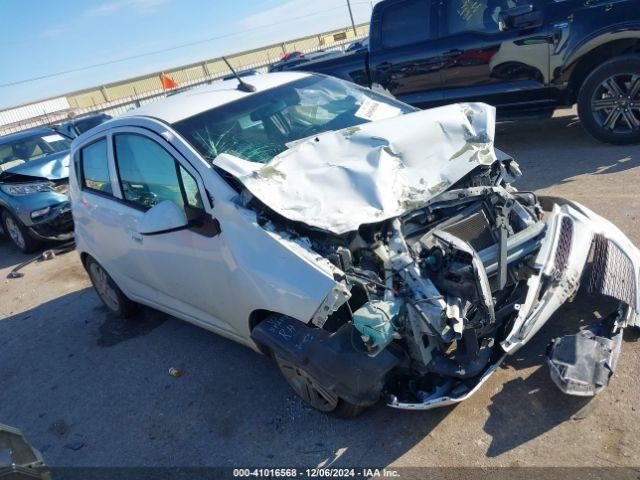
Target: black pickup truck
<point>525,58</point>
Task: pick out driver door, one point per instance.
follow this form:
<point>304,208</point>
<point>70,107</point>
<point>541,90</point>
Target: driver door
<point>178,271</point>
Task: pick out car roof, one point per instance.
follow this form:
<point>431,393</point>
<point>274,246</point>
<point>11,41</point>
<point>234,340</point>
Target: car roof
<point>200,99</point>
<point>13,137</point>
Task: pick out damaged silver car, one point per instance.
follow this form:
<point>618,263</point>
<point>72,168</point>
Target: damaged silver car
<point>373,250</point>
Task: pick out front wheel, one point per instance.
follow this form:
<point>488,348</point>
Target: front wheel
<point>609,101</point>
<point>18,233</point>
<point>313,393</point>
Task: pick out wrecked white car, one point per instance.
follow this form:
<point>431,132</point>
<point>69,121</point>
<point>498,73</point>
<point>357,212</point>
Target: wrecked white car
<point>372,249</point>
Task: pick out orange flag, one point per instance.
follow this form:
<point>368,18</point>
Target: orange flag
<point>167,83</point>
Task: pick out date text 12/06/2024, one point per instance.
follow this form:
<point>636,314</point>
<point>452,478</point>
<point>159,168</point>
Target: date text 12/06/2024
<point>315,473</point>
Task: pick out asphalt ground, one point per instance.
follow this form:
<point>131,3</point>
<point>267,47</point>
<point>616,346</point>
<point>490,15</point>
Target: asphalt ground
<point>89,390</point>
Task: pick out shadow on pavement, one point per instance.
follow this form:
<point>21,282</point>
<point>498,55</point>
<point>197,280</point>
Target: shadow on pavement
<point>68,363</point>
<point>528,407</point>
<point>553,151</point>
<point>114,330</point>
<point>108,383</point>
<point>11,257</point>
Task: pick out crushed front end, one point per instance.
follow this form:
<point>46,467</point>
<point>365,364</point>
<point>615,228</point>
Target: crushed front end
<point>55,223</point>
<point>441,267</point>
<point>432,301</point>
<point>36,193</point>
<point>499,284</point>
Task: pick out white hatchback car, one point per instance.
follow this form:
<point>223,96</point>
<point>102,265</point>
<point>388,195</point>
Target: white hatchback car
<point>372,249</point>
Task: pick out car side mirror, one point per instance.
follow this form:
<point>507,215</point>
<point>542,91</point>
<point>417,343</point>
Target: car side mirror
<point>521,17</point>
<point>164,217</point>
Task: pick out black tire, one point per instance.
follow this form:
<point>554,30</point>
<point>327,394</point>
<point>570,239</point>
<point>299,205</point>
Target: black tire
<point>609,101</point>
<point>109,293</point>
<point>346,410</point>
<point>313,393</point>
<point>18,234</point>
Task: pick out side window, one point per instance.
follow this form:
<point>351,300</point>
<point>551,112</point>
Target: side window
<point>192,194</point>
<point>150,175</point>
<point>475,15</point>
<point>406,23</point>
<point>95,167</point>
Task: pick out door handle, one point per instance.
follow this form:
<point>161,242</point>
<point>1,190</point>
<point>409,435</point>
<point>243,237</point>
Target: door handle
<point>136,236</point>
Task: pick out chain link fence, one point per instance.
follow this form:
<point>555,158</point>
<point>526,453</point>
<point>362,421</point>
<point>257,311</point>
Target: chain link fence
<point>119,97</point>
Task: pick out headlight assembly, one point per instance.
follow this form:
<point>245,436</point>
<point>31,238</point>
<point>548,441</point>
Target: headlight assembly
<point>22,189</point>
<point>40,213</point>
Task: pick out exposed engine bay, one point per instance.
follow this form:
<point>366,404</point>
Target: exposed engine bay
<point>433,300</point>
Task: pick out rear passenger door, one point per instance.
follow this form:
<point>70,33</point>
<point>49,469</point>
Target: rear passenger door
<point>404,51</point>
<point>98,220</point>
<point>482,63</point>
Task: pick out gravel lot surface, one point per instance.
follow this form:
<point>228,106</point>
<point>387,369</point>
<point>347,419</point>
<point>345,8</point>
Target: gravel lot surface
<point>88,390</point>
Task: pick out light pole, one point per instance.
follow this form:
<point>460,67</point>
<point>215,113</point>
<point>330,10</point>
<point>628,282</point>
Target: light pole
<point>353,25</point>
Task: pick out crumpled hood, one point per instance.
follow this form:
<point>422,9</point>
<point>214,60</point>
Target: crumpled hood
<point>340,180</point>
<point>51,167</point>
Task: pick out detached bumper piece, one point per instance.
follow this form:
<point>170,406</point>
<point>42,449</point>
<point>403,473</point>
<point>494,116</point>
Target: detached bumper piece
<point>582,364</point>
<point>331,358</point>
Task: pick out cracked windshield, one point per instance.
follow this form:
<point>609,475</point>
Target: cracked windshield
<point>265,124</point>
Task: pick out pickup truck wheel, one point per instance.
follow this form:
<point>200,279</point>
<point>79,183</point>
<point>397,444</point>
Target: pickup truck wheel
<point>609,101</point>
<point>18,233</point>
<point>313,393</point>
<point>110,294</point>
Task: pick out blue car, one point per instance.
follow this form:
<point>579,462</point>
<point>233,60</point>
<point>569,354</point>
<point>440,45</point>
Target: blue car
<point>77,126</point>
<point>34,178</point>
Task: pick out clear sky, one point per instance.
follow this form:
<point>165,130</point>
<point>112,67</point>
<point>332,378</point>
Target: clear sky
<point>40,37</point>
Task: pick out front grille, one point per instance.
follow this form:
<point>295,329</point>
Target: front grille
<point>563,250</point>
<point>612,272</point>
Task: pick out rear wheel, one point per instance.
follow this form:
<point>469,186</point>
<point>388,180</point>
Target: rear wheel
<point>18,233</point>
<point>609,101</point>
<point>110,294</point>
<point>313,393</point>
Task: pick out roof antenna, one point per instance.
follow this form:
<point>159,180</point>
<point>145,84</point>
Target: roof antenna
<point>242,85</point>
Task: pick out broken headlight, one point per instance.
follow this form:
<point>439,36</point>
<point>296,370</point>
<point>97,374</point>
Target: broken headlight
<point>22,189</point>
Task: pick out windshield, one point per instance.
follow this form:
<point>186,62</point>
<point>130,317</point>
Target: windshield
<point>261,126</point>
<point>33,147</point>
